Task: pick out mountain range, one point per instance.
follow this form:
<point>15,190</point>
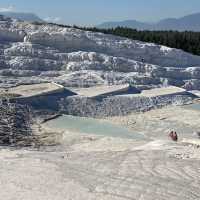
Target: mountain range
<point>186,23</point>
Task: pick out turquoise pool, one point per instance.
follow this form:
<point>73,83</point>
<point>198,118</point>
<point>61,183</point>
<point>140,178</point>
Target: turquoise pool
<point>91,126</point>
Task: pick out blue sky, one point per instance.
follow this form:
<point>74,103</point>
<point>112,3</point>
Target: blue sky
<point>91,12</point>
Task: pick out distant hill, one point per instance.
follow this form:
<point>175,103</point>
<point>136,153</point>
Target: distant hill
<point>30,17</point>
<point>189,22</point>
<point>127,23</point>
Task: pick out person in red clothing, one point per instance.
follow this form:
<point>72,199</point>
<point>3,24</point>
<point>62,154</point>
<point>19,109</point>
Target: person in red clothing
<point>173,135</point>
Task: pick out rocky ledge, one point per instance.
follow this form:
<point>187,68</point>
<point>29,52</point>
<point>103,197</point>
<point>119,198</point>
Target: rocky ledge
<point>15,124</point>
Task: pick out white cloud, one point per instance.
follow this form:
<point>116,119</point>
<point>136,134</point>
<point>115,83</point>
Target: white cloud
<point>52,19</point>
<point>7,9</point>
<point>57,19</point>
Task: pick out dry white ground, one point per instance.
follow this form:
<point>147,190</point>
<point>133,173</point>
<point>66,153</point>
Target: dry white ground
<point>100,90</point>
<point>102,168</point>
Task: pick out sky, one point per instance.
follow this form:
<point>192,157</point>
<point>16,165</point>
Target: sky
<point>94,12</point>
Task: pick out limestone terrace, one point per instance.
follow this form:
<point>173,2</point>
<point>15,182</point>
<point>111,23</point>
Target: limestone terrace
<point>35,89</point>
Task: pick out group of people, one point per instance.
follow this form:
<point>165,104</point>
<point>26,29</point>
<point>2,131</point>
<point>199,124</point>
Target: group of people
<point>173,135</point>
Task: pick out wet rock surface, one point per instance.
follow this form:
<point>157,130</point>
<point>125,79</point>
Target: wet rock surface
<point>15,124</point>
<point>118,105</point>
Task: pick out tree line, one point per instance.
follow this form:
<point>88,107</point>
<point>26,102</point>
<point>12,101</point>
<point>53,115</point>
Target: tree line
<point>188,41</point>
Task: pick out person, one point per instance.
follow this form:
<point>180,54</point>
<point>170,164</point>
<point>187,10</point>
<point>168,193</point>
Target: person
<point>170,134</point>
<point>173,135</point>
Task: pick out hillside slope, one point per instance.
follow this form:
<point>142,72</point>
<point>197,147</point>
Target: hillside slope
<point>38,53</point>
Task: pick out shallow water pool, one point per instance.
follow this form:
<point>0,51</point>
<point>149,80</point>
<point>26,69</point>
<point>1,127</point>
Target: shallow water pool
<point>195,106</point>
<point>91,126</point>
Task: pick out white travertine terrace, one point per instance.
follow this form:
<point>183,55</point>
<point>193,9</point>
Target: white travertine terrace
<point>88,166</point>
<point>36,89</point>
<point>65,55</point>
